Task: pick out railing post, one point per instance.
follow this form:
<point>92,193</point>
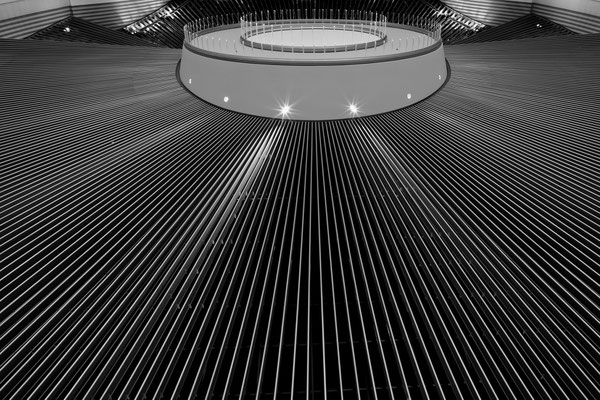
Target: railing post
<point>346,42</point>
<point>334,49</point>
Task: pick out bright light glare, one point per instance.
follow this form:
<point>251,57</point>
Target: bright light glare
<point>408,96</point>
<point>285,108</point>
<point>353,109</point>
<point>225,99</point>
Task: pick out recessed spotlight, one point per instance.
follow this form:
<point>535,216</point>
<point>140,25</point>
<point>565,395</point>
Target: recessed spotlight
<point>408,96</point>
<point>225,99</point>
<point>67,29</point>
<point>353,109</point>
<point>285,110</point>
<point>439,77</point>
<point>190,81</point>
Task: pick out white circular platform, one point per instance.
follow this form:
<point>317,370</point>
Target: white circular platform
<point>228,43</point>
<point>240,70</point>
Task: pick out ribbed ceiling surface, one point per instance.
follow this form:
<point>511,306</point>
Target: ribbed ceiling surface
<point>153,244</point>
<point>165,26</point>
<point>528,26</point>
<point>73,29</point>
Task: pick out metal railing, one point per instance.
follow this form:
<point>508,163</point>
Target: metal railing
<point>427,31</point>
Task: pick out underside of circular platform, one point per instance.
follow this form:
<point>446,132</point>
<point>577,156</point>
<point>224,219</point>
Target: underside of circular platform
<point>313,72</point>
